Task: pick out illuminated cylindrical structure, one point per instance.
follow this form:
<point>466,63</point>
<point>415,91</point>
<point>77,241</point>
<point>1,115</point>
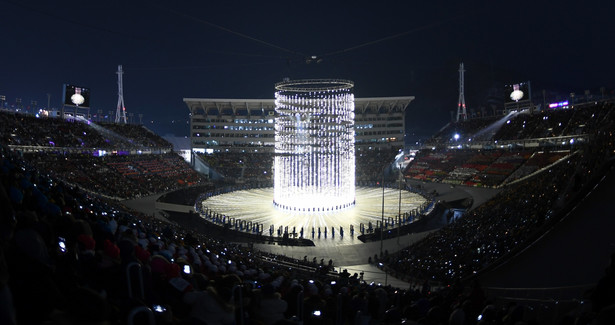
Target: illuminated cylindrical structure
<point>314,166</point>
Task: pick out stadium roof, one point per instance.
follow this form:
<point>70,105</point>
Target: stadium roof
<point>362,105</point>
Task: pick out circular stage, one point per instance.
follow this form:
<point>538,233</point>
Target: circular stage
<point>256,206</point>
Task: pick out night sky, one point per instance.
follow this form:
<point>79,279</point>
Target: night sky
<point>172,50</point>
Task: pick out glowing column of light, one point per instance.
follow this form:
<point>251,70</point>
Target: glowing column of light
<point>314,166</point>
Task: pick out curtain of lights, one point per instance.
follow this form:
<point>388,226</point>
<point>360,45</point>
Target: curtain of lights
<point>314,166</point>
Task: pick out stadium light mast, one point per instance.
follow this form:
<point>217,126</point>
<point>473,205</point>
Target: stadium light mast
<point>120,114</point>
<point>461,104</point>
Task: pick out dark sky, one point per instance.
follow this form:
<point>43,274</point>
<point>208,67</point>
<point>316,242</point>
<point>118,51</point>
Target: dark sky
<point>238,49</point>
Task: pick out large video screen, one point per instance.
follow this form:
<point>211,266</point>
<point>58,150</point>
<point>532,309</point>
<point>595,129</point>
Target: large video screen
<point>76,96</point>
<point>516,92</point>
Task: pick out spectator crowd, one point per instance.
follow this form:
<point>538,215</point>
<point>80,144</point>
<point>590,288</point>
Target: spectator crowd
<point>69,255</point>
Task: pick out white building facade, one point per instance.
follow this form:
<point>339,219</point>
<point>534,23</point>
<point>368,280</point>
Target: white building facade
<point>248,125</point>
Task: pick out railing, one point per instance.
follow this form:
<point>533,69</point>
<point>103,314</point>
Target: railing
<point>133,274</point>
<point>542,294</point>
<point>547,305</point>
<point>237,292</point>
<point>130,151</point>
<point>138,310</point>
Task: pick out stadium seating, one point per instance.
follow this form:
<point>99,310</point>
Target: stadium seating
<point>119,176</point>
<point>28,130</point>
<point>71,255</point>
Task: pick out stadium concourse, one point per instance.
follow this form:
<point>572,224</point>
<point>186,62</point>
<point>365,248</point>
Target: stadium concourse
<point>512,191</point>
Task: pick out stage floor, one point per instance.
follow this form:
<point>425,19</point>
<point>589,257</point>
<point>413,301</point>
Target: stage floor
<point>256,205</point>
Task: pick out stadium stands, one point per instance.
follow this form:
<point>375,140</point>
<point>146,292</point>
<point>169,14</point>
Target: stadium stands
<point>449,160</point>
<point>28,130</point>
<point>253,167</point>
<point>489,232</point>
<point>119,176</point>
<point>257,167</point>
<point>518,214</point>
<point>73,256</point>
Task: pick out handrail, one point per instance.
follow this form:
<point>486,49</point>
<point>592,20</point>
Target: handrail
<point>238,297</point>
<point>129,279</point>
<point>141,309</point>
<point>300,305</point>
<point>541,294</point>
<point>338,311</point>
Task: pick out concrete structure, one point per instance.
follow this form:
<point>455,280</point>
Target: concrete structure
<point>248,124</point>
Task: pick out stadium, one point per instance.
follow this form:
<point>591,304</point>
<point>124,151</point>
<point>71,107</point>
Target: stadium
<point>91,207</point>
<point>243,130</point>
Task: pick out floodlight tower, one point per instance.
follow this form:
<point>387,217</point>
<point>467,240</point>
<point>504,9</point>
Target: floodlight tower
<point>461,105</point>
<point>314,164</point>
<point>120,114</point>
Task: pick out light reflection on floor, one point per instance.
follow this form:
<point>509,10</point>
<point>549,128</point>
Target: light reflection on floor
<point>256,205</point>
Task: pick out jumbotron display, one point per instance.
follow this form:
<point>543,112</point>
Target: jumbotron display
<point>314,165</point>
<point>76,96</point>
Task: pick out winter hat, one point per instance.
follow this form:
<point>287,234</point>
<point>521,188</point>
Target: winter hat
<point>86,242</point>
<point>111,249</point>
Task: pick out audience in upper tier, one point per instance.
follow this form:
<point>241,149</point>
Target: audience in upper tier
<point>580,120</point>
<point>493,166</point>
<point>27,130</point>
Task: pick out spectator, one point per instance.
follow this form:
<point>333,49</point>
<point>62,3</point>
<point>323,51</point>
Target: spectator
<point>213,306</point>
<point>272,307</point>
